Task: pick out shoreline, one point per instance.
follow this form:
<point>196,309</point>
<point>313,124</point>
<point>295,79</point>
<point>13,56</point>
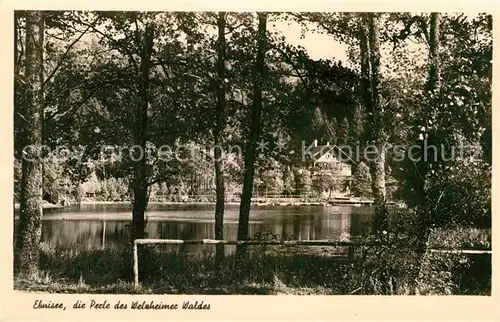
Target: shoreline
<point>333,202</point>
<point>44,206</point>
<point>354,202</point>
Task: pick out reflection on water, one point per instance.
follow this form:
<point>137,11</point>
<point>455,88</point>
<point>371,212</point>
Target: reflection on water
<point>106,226</point>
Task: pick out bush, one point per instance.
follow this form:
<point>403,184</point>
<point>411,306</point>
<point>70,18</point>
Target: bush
<point>394,267</point>
<point>460,194</point>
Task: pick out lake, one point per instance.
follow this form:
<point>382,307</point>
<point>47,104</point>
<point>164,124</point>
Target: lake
<point>107,226</point>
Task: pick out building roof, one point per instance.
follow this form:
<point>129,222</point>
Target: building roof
<point>318,153</point>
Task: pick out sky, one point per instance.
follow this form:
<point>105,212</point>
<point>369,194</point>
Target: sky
<point>317,45</point>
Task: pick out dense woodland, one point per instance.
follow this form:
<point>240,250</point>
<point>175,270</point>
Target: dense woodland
<point>91,82</point>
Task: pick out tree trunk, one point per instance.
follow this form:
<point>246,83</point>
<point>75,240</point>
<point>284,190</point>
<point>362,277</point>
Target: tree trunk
<point>30,220</point>
<point>377,170</point>
<point>141,134</point>
<point>19,103</point>
<point>365,87</point>
<point>434,80</point>
<point>377,131</point>
<point>140,180</point>
<point>250,151</point>
<point>16,71</point>
<point>220,120</point>
<point>424,212</point>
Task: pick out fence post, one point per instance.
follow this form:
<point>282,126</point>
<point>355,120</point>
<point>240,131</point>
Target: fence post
<point>136,266</point>
<point>103,234</point>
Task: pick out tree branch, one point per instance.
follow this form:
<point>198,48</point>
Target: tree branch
<point>61,60</point>
<point>277,72</point>
<point>304,17</point>
<point>423,26</point>
<point>72,109</point>
<point>233,28</point>
<point>289,60</point>
<point>125,49</point>
<point>237,102</point>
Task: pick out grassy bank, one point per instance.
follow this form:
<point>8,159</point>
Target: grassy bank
<point>266,272</point>
<point>270,270</point>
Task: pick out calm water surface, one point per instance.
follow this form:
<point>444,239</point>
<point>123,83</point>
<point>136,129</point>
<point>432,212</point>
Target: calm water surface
<point>107,226</point>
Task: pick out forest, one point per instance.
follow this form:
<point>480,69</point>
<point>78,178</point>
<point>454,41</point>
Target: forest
<point>218,107</point>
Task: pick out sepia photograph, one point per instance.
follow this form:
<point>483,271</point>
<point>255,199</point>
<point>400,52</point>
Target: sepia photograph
<point>251,153</point>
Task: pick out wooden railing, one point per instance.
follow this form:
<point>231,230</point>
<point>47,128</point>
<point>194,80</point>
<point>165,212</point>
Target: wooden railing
<point>350,245</point>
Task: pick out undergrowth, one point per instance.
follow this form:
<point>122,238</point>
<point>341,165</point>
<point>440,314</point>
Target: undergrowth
<point>272,270</point>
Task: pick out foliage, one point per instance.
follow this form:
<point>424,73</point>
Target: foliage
<point>272,178</point>
<point>461,196</point>
<point>452,121</point>
<point>361,186</point>
<point>303,181</point>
